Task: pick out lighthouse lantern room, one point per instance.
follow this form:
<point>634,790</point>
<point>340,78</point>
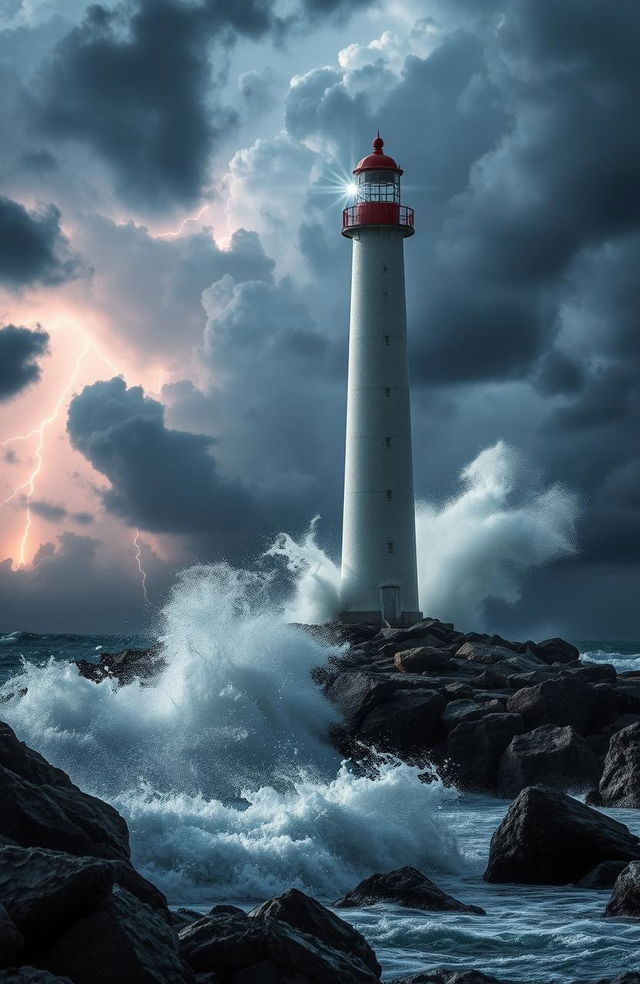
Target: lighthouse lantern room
<point>379,580</point>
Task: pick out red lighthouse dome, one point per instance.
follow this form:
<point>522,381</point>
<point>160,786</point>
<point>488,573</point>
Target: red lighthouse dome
<point>378,160</point>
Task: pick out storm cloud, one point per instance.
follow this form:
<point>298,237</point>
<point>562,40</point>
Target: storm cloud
<point>20,348</point>
<point>33,249</point>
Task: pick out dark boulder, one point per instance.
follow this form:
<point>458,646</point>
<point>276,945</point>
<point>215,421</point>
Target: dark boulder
<point>620,782</point>
<point>41,807</point>
<point>408,887</point>
<point>224,910</point>
<point>603,876</point>
<point>423,659</point>
<point>547,838</point>
<point>596,673</point>
<point>625,898</point>
<point>126,666</point>
<point>406,723</point>
<point>474,749</point>
<point>310,917</point>
<point>122,941</point>
<point>264,950</point>
<point>557,757</point>
<point>480,652</point>
<point>561,701</point>
<point>355,694</point>
<point>458,711</point>
<point>554,651</point>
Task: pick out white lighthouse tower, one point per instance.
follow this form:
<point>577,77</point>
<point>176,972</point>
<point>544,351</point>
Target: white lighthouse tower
<point>379,579</point>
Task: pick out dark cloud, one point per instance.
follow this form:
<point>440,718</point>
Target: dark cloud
<point>134,84</point>
<point>33,250</point>
<point>20,348</point>
<point>55,513</point>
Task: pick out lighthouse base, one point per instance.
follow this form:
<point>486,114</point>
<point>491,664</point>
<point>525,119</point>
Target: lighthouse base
<point>376,618</point>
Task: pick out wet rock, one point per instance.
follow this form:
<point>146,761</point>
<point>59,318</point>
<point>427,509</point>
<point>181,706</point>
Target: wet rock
<point>310,917</point>
<point>625,898</point>
<point>41,807</point>
<point>123,941</point>
<point>423,659</point>
<point>408,887</point>
<point>458,711</point>
<point>480,652</point>
<point>556,757</point>
<point>405,723</point>
<point>442,976</point>
<point>547,838</point>
<point>355,694</point>
<point>555,651</point>
<point>603,876</point>
<point>225,910</point>
<point>264,950</point>
<point>474,749</point>
<point>11,939</point>
<point>126,666</point>
<point>563,701</point>
<point>30,975</point>
<point>620,782</point>
<point>600,673</point>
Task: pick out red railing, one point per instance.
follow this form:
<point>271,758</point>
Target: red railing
<point>377,213</point>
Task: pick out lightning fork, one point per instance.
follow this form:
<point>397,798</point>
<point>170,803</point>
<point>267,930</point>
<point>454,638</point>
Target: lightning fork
<point>141,570</point>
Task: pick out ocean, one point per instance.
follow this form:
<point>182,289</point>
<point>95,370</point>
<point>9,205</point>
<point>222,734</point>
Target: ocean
<point>233,794</point>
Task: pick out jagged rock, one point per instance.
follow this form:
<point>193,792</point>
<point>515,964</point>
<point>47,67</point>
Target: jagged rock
<point>459,691</point>
<point>406,723</point>
<point>480,652</point>
<point>597,673</point>
<point>41,807</point>
<point>307,915</point>
<point>458,711</point>
<point>547,838</point>
<point>562,701</point>
<point>122,941</point>
<point>264,950</point>
<point>474,749</point>
<point>224,910</point>
<point>620,782</point>
<point>355,694</point>
<point>554,651</point>
<point>11,939</point>
<point>442,976</point>
<point>126,666</point>
<point>556,757</point>
<point>625,898</point>
<point>30,975</point>
<point>184,917</point>
<point>421,660</point>
<point>408,887</point>
<point>604,875</point>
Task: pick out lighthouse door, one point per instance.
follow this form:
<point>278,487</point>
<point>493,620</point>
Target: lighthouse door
<point>390,603</point>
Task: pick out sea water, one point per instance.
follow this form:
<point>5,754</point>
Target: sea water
<point>233,793</point>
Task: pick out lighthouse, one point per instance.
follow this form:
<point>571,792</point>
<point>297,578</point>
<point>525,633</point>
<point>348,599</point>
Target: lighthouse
<point>379,578</point>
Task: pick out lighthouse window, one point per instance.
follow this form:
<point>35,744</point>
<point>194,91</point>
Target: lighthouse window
<point>379,186</point>
<point>390,546</point>
<point>387,442</point>
<point>387,391</point>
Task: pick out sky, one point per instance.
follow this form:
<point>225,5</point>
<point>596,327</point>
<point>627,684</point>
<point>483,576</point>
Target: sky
<point>174,295</point>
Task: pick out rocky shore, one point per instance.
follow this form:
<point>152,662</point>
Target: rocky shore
<point>526,721</point>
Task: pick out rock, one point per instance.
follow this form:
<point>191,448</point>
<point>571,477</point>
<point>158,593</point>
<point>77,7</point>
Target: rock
<point>547,838</point>
<point>443,976</point>
<point>30,975</point>
<point>604,875</point>
<point>304,913</point>
<point>126,666</point>
<point>459,691</point>
<point>406,723</point>
<point>562,701</point>
<point>479,652</point>
<point>555,651</point>
<point>421,660</point>
<point>474,749</point>
<point>122,941</point>
<point>597,673</point>
<point>557,757</point>
<point>625,898</point>
<point>264,950</point>
<point>458,711</point>
<point>620,782</point>
<point>42,808</point>
<point>11,939</point>
<point>225,910</point>
<point>184,917</point>
<point>356,694</point>
<point>408,887</point>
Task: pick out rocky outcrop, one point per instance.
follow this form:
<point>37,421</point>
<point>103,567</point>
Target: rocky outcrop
<point>41,807</point>
<point>304,913</point>
<point>406,723</point>
<point>558,757</point>
<point>549,838</point>
<point>561,702</point>
<point>422,659</point>
<point>620,782</point>
<point>625,898</point>
<point>246,950</point>
<point>603,876</point>
<point>126,666</point>
<point>407,887</point>
<point>474,749</point>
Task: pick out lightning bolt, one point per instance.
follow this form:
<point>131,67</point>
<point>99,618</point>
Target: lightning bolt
<point>141,570</point>
<point>30,484</point>
<point>180,230</point>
